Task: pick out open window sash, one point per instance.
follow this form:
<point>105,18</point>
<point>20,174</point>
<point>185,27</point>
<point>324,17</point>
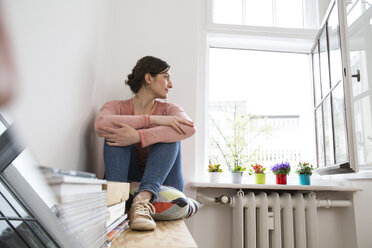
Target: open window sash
<point>331,89</point>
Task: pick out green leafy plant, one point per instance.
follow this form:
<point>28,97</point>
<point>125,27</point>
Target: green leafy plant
<point>238,169</point>
<point>304,169</point>
<point>214,168</point>
<point>256,169</point>
<point>234,134</point>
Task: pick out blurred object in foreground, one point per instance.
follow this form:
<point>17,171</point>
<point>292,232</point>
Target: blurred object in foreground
<point>7,72</point>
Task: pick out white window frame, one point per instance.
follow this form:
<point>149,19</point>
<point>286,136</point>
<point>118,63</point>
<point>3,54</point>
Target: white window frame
<point>210,17</point>
<point>237,37</point>
<point>352,165</point>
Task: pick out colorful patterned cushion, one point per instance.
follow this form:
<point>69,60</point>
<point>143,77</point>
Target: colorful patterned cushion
<point>173,204</point>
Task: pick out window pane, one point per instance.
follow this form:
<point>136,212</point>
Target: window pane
<point>31,239</point>
<point>8,238</point>
<point>324,70</point>
<point>360,43</point>
<point>289,14</point>
<point>339,122</point>
<point>259,13</point>
<point>251,106</point>
<point>334,47</point>
<point>2,128</point>
<point>359,61</point>
<point>316,76</point>
<point>363,130</point>
<point>4,190</point>
<point>328,131</point>
<point>6,209</point>
<point>354,10</point>
<point>227,11</point>
<point>320,141</point>
<point>41,234</point>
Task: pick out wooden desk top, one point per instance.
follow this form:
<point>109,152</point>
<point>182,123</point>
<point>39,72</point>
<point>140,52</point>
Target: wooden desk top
<point>166,235</point>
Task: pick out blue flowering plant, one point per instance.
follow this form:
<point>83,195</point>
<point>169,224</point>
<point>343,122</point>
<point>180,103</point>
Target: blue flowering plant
<point>281,168</point>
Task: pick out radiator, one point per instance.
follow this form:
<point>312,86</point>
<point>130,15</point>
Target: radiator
<point>274,220</point>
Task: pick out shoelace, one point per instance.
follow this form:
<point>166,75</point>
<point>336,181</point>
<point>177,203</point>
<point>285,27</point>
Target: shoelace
<point>143,208</point>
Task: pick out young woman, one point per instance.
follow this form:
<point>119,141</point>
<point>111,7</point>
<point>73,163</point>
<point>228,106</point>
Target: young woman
<point>142,138</point>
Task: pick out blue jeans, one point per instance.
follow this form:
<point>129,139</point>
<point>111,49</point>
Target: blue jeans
<point>163,166</point>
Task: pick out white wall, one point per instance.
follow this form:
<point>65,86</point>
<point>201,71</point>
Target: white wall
<point>56,45</point>
<point>72,56</point>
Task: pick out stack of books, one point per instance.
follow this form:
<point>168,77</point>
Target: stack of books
<point>117,219</point>
<point>81,205</point>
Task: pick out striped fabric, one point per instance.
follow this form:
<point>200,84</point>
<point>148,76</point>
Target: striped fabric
<point>173,204</point>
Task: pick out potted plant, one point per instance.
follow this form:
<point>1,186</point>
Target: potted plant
<point>304,171</point>
<point>281,170</point>
<point>214,172</point>
<point>259,173</point>
<point>237,173</point>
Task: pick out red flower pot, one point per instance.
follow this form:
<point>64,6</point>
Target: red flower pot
<point>281,179</point>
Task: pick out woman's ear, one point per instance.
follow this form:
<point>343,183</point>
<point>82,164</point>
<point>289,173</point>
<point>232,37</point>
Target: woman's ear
<point>148,78</point>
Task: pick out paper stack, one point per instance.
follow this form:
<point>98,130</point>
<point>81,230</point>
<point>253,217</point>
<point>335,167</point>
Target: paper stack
<point>82,207</point>
<point>117,219</point>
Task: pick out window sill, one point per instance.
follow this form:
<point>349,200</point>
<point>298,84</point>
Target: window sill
<point>350,188</point>
<point>359,176</point>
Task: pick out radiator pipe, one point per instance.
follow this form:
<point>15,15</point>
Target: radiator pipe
<point>224,199</point>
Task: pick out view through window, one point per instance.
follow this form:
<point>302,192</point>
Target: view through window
<point>260,108</point>
<point>268,13</point>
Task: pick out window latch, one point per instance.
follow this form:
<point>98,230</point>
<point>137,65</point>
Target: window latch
<point>357,75</point>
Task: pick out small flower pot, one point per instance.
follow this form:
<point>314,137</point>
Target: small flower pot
<point>259,178</point>
<point>281,179</point>
<point>215,177</point>
<point>304,179</point>
<point>236,177</point>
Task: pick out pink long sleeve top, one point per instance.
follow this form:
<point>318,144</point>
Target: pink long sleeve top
<point>123,111</point>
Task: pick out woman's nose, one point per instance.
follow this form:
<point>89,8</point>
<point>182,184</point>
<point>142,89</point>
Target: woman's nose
<point>170,85</point>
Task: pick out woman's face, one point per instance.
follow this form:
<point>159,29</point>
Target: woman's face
<point>160,84</point>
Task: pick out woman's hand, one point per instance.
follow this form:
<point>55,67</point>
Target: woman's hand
<point>124,135</point>
<point>172,121</point>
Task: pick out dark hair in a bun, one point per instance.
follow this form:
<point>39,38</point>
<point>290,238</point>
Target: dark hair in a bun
<point>148,64</point>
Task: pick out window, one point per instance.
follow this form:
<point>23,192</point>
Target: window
<point>341,105</point>
<point>18,228</point>
<point>359,38</point>
<point>24,218</point>
<point>342,96</point>
<point>267,13</point>
<point>259,107</point>
<point>334,107</point>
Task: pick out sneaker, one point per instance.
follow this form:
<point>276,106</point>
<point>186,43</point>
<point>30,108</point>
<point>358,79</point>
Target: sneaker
<point>140,215</point>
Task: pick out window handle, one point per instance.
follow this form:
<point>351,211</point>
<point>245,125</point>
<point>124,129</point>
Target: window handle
<point>357,75</point>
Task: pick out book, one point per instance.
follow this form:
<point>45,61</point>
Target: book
<point>63,172</point>
<point>81,198</point>
<point>69,189</point>
<point>81,207</point>
<point>115,211</point>
<point>118,230</point>
<point>67,185</point>
<point>116,192</point>
<point>117,222</point>
<point>74,180</point>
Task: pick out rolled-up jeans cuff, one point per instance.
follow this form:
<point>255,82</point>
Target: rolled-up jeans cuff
<point>146,188</point>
